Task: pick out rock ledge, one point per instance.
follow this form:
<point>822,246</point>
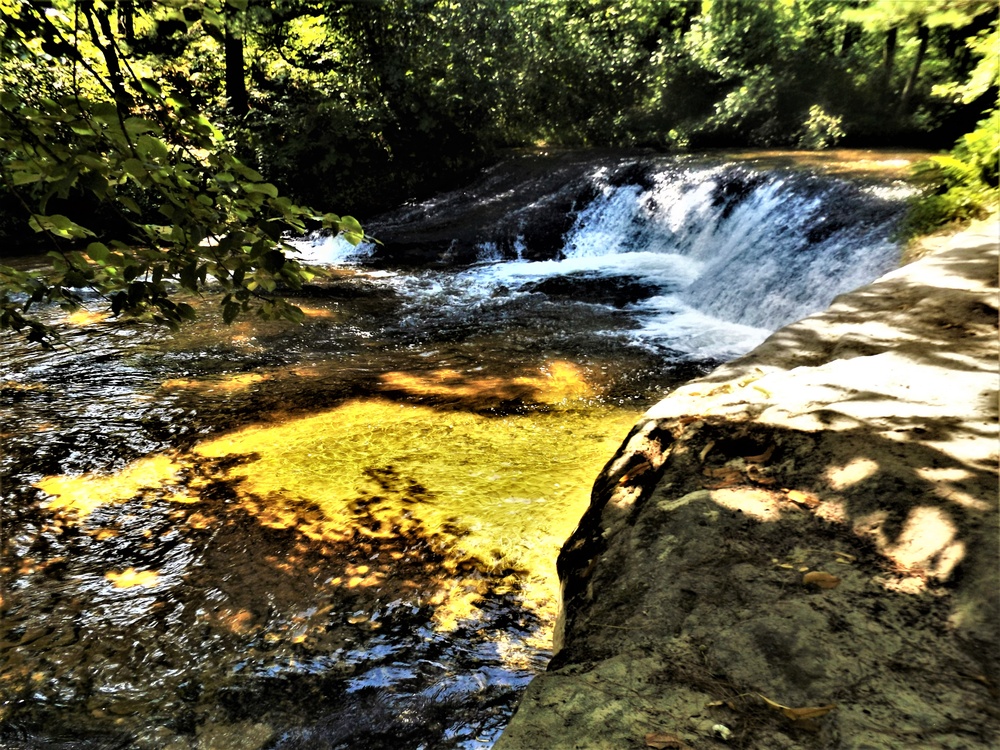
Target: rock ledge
<point>800,550</point>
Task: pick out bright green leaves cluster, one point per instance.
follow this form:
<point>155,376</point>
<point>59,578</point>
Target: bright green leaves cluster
<point>186,211</point>
<point>965,183</point>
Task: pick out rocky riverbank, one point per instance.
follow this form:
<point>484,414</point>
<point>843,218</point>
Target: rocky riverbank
<point>800,550</point>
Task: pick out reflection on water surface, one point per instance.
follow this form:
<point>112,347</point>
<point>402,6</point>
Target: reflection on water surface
<point>261,536</point>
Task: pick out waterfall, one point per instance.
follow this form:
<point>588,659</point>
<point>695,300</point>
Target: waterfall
<point>725,253</point>
<point>764,249</point>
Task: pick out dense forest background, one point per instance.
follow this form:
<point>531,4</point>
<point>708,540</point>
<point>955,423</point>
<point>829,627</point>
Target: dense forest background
<point>173,122</point>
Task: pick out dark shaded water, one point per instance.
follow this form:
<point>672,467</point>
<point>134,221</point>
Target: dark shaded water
<point>342,535</point>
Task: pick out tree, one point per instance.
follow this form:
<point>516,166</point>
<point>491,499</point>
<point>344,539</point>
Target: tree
<point>236,86</point>
<point>82,124</point>
<point>968,177</point>
<point>889,17</point>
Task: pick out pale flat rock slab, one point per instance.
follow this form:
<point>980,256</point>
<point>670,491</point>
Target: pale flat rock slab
<point>800,550</point>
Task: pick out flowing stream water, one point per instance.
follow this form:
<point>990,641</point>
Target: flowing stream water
<point>343,534</point>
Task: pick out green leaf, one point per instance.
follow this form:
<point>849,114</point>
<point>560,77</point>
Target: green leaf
<point>98,252</point>
<point>135,168</point>
<point>293,313</point>
<point>130,204</point>
<point>151,87</point>
<point>149,147</point>
<point>351,229</point>
<point>260,187</point>
<point>274,260</point>
<point>93,163</point>
<point>83,128</point>
<point>25,178</point>
<point>59,225</point>
<point>243,169</point>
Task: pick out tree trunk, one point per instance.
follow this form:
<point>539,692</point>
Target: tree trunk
<point>889,58</point>
<point>99,23</point>
<point>236,85</point>
<point>923,35</point>
<point>852,33</point>
<point>126,21</point>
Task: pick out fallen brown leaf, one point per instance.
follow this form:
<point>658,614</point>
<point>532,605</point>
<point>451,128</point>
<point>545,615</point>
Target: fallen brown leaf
<point>757,475</point>
<point>799,714</point>
<point>723,476</point>
<point>636,471</point>
<point>760,457</point>
<point>704,451</point>
<point>665,741</point>
<point>810,712</point>
<point>821,579</point>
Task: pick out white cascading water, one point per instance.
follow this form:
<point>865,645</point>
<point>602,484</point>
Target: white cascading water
<point>734,254</point>
<point>743,267</point>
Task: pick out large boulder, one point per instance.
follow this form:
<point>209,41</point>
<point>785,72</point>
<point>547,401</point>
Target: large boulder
<point>800,550</point>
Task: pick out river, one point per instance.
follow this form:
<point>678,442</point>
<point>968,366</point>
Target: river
<point>343,534</point>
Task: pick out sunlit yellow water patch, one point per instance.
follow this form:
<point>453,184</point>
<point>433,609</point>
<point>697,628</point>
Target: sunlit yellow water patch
<point>557,381</point>
<point>318,312</point>
<point>131,577</point>
<point>82,318</point>
<point>81,494</point>
<point>842,162</point>
<point>508,491</point>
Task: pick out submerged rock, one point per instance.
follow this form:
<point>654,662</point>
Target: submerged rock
<point>600,290</point>
<point>802,546</point>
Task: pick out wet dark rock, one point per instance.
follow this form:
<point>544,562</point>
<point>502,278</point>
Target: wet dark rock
<point>599,290</point>
<point>521,207</point>
<point>734,187</point>
<point>400,721</point>
<point>14,737</point>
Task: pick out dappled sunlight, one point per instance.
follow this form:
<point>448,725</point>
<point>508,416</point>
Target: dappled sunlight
<point>555,382</point>
<point>131,577</point>
<point>756,503</point>
<point>857,470</point>
<point>84,317</point>
<point>503,491</point>
<point>506,491</point>
<point>926,543</point>
<point>81,494</point>
<point>947,485</point>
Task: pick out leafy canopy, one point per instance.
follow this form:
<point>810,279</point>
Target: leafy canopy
<point>82,127</point>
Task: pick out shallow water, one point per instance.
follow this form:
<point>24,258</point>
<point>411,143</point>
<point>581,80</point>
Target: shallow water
<point>370,555</point>
<point>344,534</point>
